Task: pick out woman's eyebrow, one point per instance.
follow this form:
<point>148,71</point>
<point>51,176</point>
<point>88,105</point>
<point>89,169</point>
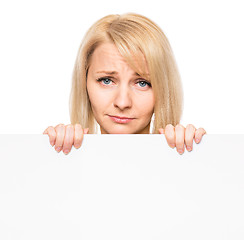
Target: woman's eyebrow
<point>108,72</point>
<point>115,73</point>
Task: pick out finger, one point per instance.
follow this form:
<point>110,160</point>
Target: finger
<point>60,124</point>
<point>47,129</point>
<point>86,130</point>
<point>161,131</point>
<point>189,135</point>
<point>198,134</point>
<point>68,138</point>
<point>50,131</point>
<point>180,138</point>
<point>169,132</point>
<point>60,131</point>
<point>78,138</point>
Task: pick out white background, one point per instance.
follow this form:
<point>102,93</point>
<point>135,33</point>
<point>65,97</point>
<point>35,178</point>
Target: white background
<point>139,189</point>
<point>40,39</point>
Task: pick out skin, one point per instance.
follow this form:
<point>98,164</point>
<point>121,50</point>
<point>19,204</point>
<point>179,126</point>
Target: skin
<point>120,94</point>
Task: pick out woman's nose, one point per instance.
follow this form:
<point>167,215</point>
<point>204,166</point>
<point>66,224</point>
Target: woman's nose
<point>123,98</point>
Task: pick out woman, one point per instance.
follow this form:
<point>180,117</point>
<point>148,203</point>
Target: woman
<point>125,78</point>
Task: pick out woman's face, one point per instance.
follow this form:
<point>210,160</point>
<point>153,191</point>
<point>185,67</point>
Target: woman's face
<point>116,91</point>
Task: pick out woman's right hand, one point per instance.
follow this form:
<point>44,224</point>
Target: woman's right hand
<point>63,137</point>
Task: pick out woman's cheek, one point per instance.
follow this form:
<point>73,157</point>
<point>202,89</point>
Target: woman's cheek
<point>100,101</point>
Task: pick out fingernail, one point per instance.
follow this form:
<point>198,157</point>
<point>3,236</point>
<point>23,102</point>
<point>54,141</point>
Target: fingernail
<point>66,151</point>
<point>58,149</point>
<point>188,148</point>
<point>180,151</point>
<point>197,140</point>
<point>52,143</point>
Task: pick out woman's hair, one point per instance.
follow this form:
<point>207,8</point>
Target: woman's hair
<point>133,35</point>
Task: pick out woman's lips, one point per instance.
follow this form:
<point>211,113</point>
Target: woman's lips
<point>121,119</point>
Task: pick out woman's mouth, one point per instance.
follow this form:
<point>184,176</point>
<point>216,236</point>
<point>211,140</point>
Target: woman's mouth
<point>118,119</point>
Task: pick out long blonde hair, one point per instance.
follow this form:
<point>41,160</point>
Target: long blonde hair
<point>132,34</point>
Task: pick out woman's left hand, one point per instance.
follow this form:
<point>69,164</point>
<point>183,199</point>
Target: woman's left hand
<point>179,136</point>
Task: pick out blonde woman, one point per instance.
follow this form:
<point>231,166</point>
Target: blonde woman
<point>126,81</point>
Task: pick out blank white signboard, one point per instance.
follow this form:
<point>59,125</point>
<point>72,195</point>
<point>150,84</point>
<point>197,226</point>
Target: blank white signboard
<point>121,187</point>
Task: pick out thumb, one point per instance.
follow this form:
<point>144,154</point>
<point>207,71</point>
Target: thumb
<point>86,130</point>
<point>161,130</point>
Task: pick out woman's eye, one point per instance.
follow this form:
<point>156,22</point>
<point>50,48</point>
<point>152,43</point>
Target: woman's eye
<point>106,81</point>
<point>144,83</point>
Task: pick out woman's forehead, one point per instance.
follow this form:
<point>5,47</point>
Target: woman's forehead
<point>106,57</point>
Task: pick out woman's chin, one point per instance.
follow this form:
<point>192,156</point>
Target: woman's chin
<point>117,131</point>
<point>123,132</point>
<point>120,130</point>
